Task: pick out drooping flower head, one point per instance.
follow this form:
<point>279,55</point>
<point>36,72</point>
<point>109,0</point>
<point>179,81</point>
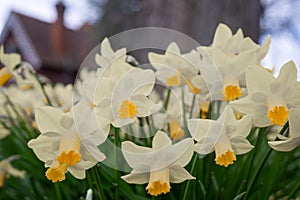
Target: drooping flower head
<point>62,146</point>
<point>226,136</point>
<point>292,140</point>
<point>270,99</point>
<point>159,165</point>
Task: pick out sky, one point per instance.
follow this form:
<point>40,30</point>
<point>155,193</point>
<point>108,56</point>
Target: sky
<point>77,12</point>
<point>285,43</point>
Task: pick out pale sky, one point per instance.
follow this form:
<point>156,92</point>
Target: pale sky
<point>285,45</point>
<point>77,12</point>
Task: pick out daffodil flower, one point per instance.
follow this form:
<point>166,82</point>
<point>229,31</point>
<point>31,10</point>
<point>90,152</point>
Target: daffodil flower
<point>7,170</point>
<point>108,55</point>
<point>270,99</point>
<point>293,140</point>
<point>10,61</point>
<point>119,101</point>
<point>159,165</point>
<point>234,44</point>
<point>175,69</point>
<point>226,136</point>
<point>232,69</point>
<point>68,141</point>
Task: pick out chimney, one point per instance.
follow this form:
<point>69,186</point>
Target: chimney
<point>58,31</point>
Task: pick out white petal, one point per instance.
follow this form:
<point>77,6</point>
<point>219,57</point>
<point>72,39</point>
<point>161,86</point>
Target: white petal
<point>288,76</point>
<point>185,150</point>
<point>160,140</point>
<point>178,174</point>
<point>294,119</point>
<point>199,127</point>
<point>243,127</point>
<point>286,145</point>
<point>263,50</point>
<point>242,61</point>
<point>258,79</point>
<point>136,178</point>
<point>205,146</point>
<point>45,146</point>
<point>135,155</point>
<point>77,173</point>
<point>222,34</point>
<point>48,119</point>
<point>145,106</point>
<point>240,145</point>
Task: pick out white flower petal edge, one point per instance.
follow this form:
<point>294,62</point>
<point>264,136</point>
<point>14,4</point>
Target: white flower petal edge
<point>227,136</point>
<point>159,165</point>
<point>294,140</point>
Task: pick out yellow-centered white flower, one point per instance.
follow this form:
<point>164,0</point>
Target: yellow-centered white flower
<point>232,70</point>
<point>121,96</point>
<point>233,45</point>
<point>270,99</point>
<point>175,69</point>
<point>159,165</point>
<point>10,61</point>
<point>226,136</point>
<point>293,138</point>
<point>68,141</point>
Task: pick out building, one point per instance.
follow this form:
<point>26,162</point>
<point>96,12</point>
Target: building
<point>52,49</point>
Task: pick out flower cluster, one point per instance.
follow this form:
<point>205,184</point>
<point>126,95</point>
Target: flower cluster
<point>157,132</point>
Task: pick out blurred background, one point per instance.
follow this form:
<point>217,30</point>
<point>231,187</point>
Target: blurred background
<point>55,36</point>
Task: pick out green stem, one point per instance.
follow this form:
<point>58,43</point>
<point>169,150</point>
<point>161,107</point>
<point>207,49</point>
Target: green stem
<point>57,191</point>
<point>43,89</point>
<point>192,106</point>
<point>262,163</point>
<point>116,144</point>
<point>98,181</point>
<point>167,99</point>
<point>189,181</point>
<point>294,190</point>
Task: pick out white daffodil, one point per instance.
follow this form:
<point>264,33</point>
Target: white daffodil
<point>226,136</point>
<point>119,100</point>
<point>270,99</point>
<point>293,140</point>
<point>68,141</point>
<point>231,69</point>
<point>108,55</point>
<point>159,165</point>
<point>176,69</point>
<point>233,45</point>
<point>10,61</point>
<point>7,170</point>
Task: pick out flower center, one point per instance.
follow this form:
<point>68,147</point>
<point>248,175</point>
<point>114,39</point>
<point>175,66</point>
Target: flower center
<point>4,76</point>
<point>57,173</point>
<point>69,157</point>
<point>232,92</point>
<point>69,149</point>
<point>159,182</point>
<point>278,115</point>
<point>127,110</point>
<point>224,152</point>
<point>226,158</point>
<point>176,130</point>
<point>192,88</point>
<point>173,81</point>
